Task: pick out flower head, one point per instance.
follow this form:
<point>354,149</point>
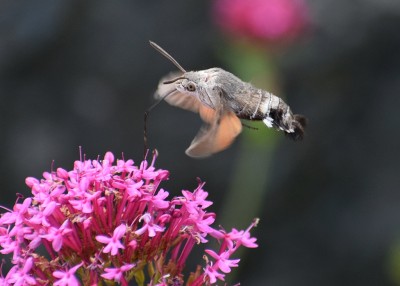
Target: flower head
<point>106,221</point>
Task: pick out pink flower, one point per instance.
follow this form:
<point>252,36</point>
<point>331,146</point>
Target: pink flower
<point>243,238</point>
<point>133,189</point>
<point>148,226</point>
<point>84,203</point>
<point>22,276</point>
<point>113,243</point>
<point>8,245</point>
<point>213,274</point>
<point>236,237</point>
<point>222,261</point>
<point>271,20</point>
<point>158,201</point>
<point>67,278</point>
<point>41,216</point>
<point>197,198</point>
<point>18,216</point>
<point>116,274</point>
<point>55,235</point>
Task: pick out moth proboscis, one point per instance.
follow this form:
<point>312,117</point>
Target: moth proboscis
<point>222,99</point>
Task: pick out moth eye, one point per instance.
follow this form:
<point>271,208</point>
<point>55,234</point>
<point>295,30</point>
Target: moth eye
<point>191,87</point>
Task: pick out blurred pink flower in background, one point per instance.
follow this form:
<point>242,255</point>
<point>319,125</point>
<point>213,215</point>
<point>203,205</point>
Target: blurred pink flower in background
<point>268,20</point>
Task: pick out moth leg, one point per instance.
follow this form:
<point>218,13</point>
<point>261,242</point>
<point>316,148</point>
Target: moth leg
<point>250,127</point>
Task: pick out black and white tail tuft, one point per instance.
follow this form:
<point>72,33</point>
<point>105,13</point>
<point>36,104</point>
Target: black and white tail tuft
<point>298,125</point>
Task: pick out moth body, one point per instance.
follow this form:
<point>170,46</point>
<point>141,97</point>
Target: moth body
<point>222,99</point>
<point>215,87</point>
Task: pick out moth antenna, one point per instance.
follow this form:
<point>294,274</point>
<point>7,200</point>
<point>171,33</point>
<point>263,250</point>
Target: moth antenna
<point>173,80</point>
<point>168,56</point>
<point>146,115</point>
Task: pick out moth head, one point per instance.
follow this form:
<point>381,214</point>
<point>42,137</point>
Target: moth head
<point>184,83</point>
<point>200,85</point>
<point>187,86</point>
<point>187,83</point>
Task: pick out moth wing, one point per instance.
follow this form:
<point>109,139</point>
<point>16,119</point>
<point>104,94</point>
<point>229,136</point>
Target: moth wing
<point>216,135</point>
<point>176,98</point>
<point>208,115</point>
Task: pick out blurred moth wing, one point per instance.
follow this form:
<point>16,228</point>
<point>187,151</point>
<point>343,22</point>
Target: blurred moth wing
<point>215,136</point>
<point>220,126</point>
<point>173,96</point>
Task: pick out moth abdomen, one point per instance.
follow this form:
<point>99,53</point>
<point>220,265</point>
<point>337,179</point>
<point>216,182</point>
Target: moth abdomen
<point>274,112</point>
<point>299,123</point>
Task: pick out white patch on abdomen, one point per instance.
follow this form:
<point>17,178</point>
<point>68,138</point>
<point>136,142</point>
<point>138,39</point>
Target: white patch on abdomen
<point>268,121</point>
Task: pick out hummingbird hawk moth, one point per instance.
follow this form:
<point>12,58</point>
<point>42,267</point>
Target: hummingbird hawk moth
<point>222,99</point>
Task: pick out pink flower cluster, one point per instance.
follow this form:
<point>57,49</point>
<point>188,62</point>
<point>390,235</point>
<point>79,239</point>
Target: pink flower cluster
<point>104,223</point>
<point>268,20</point>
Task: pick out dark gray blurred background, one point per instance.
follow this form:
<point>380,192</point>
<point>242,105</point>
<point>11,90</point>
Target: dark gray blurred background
<point>81,73</point>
